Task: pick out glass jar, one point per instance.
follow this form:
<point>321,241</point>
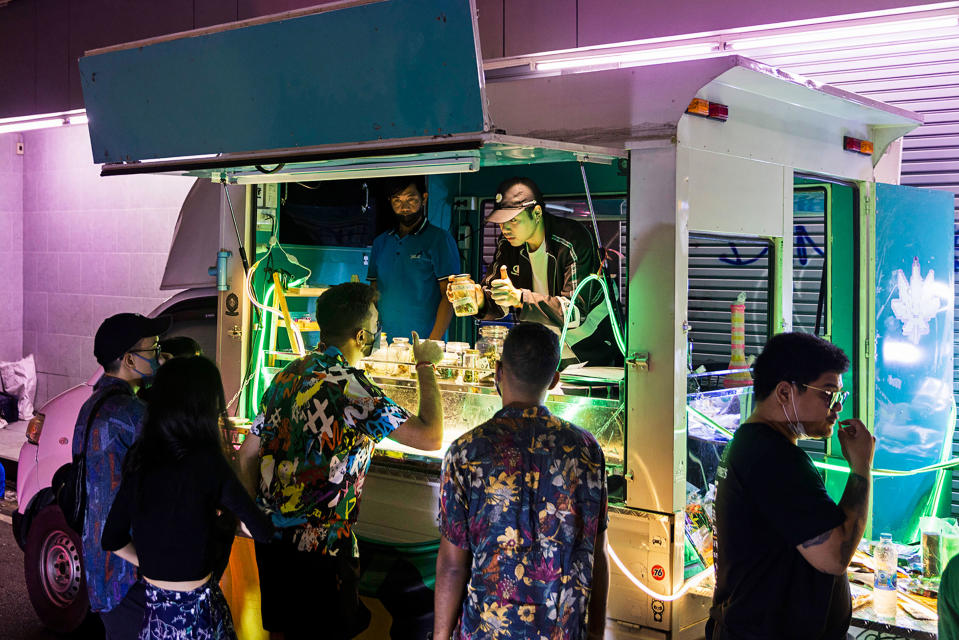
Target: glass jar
<point>490,344</point>
<point>447,368</point>
<point>400,353</point>
<point>457,347</point>
<point>470,374</point>
<point>461,290</point>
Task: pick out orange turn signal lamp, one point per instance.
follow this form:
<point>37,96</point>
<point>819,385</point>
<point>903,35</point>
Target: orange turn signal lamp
<point>35,428</point>
<point>707,109</point>
<point>856,145</point>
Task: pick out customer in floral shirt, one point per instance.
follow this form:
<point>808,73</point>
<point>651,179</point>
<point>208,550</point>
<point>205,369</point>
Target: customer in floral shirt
<point>308,454</point>
<point>523,514</point>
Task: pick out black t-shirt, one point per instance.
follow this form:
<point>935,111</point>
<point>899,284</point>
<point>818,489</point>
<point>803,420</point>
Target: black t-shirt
<point>170,514</point>
<point>769,500</point>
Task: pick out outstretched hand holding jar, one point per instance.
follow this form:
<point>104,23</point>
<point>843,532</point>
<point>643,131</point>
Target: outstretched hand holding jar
<point>465,295</point>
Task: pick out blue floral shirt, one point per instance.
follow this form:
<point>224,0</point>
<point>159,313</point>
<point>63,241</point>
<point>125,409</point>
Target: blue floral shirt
<point>113,431</point>
<point>319,422</point>
<point>525,493</point>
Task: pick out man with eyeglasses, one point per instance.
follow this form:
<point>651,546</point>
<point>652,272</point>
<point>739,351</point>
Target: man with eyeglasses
<point>538,264</point>
<point>305,460</point>
<point>127,346</point>
<point>411,264</point>
<point>782,544</point>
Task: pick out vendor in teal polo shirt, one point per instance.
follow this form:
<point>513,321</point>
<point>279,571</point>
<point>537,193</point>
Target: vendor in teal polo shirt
<point>411,264</point>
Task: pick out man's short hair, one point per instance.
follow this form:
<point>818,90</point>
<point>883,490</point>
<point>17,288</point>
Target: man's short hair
<point>400,183</point>
<point>180,347</point>
<point>531,355</point>
<point>343,309</point>
<point>795,357</point>
<point>113,367</point>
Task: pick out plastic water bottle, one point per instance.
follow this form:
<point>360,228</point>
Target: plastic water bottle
<point>886,559</point>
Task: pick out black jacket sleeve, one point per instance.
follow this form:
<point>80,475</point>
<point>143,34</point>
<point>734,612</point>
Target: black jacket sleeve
<point>116,530</point>
<point>235,498</point>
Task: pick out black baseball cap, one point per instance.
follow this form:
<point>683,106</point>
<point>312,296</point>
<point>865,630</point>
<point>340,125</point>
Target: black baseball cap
<point>523,194</point>
<point>118,334</point>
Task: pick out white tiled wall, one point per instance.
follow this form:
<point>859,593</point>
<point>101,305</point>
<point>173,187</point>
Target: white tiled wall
<point>11,249</point>
<point>92,247</point>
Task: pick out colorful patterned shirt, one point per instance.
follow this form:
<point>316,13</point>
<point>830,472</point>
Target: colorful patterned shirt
<point>319,422</point>
<point>112,433</point>
<point>525,493</point>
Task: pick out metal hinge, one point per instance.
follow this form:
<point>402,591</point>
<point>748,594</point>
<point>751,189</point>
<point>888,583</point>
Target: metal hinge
<point>640,360</point>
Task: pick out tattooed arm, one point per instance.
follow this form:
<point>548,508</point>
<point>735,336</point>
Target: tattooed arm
<point>832,551</point>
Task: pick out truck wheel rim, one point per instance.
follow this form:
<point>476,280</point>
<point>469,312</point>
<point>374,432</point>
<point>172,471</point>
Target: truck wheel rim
<point>61,571</point>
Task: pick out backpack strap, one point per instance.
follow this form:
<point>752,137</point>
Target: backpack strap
<point>93,413</point>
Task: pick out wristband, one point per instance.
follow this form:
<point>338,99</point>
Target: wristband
<point>422,362</point>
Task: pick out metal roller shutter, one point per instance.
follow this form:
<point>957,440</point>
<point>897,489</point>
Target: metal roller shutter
<point>923,77</point>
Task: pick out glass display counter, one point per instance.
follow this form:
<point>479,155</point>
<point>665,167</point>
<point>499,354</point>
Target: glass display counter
<point>468,405</point>
<point>716,404</point>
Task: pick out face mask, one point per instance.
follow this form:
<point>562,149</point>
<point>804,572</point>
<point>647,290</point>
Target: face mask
<point>366,348</point>
<point>146,379</point>
<point>797,428</point>
<point>410,219</point>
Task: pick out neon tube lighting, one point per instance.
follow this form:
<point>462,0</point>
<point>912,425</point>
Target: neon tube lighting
<point>41,116</point>
<point>689,584</point>
<point>32,125</point>
<point>842,33</point>
<point>200,156</point>
<point>627,57</point>
<point>377,170</point>
<point>41,121</point>
<point>81,119</point>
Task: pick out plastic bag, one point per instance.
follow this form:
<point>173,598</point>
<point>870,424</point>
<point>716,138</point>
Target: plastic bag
<point>20,379</point>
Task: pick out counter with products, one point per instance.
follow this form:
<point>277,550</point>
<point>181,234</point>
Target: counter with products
<point>467,405</point>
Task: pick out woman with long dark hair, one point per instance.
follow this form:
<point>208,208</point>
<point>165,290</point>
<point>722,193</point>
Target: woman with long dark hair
<point>175,481</point>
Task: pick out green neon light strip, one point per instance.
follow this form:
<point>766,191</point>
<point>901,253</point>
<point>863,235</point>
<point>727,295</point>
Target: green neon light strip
<point>945,464</point>
<point>617,330</point>
<point>265,328</point>
<point>258,365</point>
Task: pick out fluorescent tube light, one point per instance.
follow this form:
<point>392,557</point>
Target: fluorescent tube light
<point>172,158</point>
<point>41,121</point>
<point>32,125</point>
<point>628,57</point>
<point>367,170</point>
<point>81,119</point>
<point>844,33</point>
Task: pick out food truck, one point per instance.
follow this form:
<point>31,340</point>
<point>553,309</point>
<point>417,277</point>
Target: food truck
<point>704,179</point>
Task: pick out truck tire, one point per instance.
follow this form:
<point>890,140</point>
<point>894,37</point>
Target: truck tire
<point>53,568</point>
